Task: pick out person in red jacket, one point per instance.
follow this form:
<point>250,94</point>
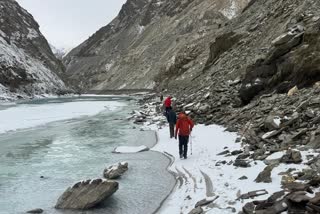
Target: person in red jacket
<point>184,127</point>
<point>167,105</point>
<point>167,102</point>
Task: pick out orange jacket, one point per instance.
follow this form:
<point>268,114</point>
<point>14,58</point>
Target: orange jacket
<point>184,125</point>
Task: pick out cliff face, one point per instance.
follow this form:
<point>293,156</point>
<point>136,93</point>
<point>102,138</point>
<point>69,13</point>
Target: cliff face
<point>146,40</point>
<point>27,64</point>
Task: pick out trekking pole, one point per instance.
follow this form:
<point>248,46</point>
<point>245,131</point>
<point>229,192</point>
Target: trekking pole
<point>191,143</point>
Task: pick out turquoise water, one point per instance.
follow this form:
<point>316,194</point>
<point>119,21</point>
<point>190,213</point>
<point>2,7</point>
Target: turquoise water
<point>67,151</point>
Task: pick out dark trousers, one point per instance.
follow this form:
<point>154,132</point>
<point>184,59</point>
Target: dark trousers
<point>183,145</point>
<point>171,127</point>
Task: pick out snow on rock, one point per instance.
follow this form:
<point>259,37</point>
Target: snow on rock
<point>232,7</point>
<point>130,149</point>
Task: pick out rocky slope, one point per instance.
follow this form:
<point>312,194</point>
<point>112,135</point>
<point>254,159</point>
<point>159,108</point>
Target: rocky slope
<point>27,64</point>
<point>261,79</point>
<point>146,38</point>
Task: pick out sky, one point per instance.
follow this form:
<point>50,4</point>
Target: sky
<point>67,23</point>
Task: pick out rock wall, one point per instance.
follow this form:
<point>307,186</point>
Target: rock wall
<point>27,64</point>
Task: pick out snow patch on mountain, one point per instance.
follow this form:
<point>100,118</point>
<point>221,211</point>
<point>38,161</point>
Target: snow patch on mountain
<point>45,81</point>
<point>28,68</point>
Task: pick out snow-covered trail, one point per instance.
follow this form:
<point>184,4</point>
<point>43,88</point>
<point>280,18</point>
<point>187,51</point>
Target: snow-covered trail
<point>199,177</point>
<point>194,175</point>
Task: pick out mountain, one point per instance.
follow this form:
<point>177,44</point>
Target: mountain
<point>146,38</point>
<point>218,54</point>
<point>59,52</point>
<point>28,66</point>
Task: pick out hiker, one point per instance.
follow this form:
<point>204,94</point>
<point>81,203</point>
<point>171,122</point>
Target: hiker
<point>167,104</point>
<point>172,119</point>
<point>183,130</point>
<point>161,97</point>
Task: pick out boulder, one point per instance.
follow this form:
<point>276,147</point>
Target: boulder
<point>86,194</point>
<point>115,171</point>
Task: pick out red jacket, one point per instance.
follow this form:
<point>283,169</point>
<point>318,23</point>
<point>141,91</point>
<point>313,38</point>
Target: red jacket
<point>184,125</point>
<point>167,102</point>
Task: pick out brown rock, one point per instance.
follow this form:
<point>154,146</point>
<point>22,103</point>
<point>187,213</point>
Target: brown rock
<point>86,195</point>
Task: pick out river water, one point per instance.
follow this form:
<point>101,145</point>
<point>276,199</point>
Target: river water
<point>66,140</point>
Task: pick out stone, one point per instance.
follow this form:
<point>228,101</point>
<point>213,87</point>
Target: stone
<point>286,179</point>
<point>291,156</point>
<point>86,194</point>
<point>294,186</point>
<point>243,178</point>
<point>205,202</point>
<point>293,91</point>
<point>316,199</point>
<point>219,163</point>
<point>197,210</point>
<point>243,156</point>
<point>265,175</point>
<point>253,194</point>
<point>241,163</point>
<point>224,152</point>
<point>270,123</point>
<point>36,211</point>
<point>115,171</point>
<point>249,208</point>
<point>204,108</point>
<point>298,197</point>
<point>236,152</point>
<point>315,181</point>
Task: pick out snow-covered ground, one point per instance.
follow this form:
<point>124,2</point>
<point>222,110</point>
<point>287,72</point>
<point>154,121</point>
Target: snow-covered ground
<point>199,178</point>
<point>27,116</point>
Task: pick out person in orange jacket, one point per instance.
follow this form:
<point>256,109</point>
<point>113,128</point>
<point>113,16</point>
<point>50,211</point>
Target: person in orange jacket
<point>184,127</point>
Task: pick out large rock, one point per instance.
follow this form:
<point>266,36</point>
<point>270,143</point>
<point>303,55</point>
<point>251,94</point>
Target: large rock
<point>115,171</point>
<point>86,194</point>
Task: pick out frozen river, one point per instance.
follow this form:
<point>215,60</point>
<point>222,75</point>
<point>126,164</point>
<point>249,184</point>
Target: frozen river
<point>66,140</point>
